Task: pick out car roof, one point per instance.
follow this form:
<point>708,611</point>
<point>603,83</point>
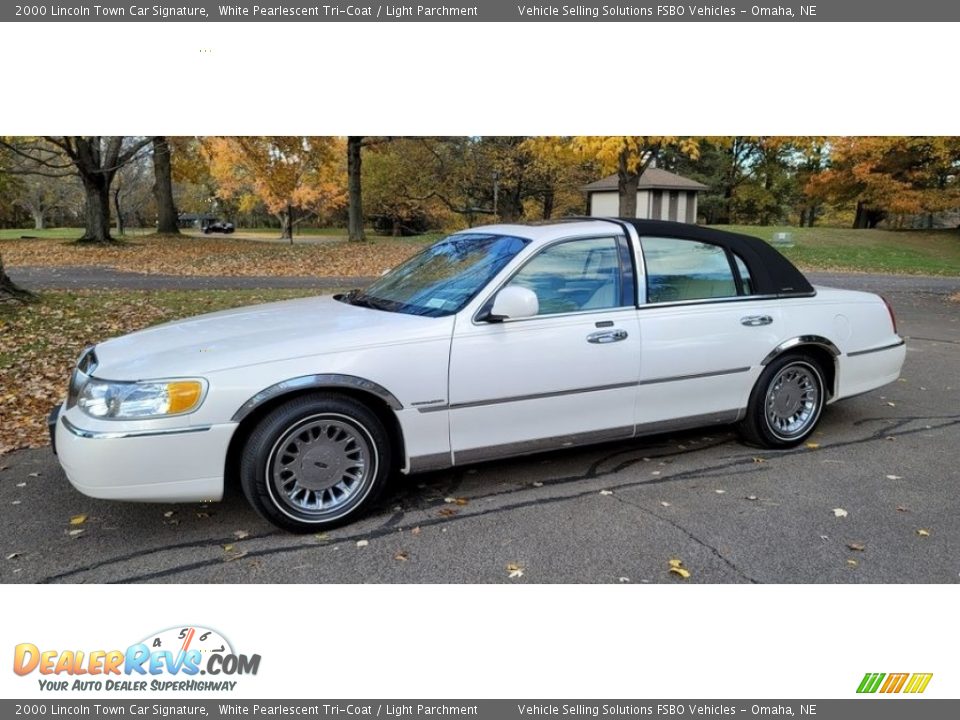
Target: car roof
<point>770,272</point>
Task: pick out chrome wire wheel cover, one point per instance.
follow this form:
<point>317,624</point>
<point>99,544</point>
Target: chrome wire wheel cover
<point>793,401</point>
<point>320,466</point>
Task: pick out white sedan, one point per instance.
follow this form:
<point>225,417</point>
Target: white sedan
<point>496,341</point>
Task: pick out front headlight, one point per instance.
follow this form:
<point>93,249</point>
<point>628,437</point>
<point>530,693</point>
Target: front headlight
<point>140,400</point>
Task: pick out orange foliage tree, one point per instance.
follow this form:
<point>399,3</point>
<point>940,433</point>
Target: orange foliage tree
<point>628,156</point>
<point>292,176</point>
<point>890,175</point>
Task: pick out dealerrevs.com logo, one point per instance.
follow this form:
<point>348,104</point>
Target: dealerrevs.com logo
<point>891,683</point>
<point>172,659</point>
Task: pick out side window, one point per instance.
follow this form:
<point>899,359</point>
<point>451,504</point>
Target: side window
<point>686,270</point>
<point>744,275</point>
<point>574,275</point>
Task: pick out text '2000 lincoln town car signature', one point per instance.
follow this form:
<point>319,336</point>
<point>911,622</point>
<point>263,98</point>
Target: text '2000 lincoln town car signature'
<point>495,341</point>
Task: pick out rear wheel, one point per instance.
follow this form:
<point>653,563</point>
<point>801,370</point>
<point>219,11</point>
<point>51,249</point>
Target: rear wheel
<point>786,403</point>
<point>315,462</point>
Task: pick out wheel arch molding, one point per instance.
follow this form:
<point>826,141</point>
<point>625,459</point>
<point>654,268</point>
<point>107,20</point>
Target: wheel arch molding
<point>324,381</point>
<point>821,346</point>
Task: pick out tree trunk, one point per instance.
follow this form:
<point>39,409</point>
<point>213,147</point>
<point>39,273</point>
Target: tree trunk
<point>286,224</point>
<point>97,223</point>
<point>10,292</point>
<point>627,186</point>
<point>38,217</point>
<point>548,198</point>
<point>119,212</point>
<point>354,189</point>
<point>163,188</point>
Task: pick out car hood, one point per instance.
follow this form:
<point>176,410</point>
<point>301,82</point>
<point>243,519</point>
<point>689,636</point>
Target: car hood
<point>257,334</point>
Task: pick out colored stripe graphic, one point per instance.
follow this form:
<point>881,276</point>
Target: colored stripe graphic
<point>870,682</point>
<point>894,682</point>
<point>918,682</point>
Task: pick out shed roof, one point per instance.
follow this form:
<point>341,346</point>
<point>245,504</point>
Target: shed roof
<point>652,179</point>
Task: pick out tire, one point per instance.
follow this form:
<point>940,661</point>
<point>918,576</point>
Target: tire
<point>315,462</point>
<point>785,417</point>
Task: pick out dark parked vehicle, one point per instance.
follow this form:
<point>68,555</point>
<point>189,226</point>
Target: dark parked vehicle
<point>217,226</point>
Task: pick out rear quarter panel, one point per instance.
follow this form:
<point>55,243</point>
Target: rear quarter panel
<point>854,322</point>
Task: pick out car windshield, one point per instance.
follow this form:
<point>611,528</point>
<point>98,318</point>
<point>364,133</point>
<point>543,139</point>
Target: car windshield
<point>442,279</point>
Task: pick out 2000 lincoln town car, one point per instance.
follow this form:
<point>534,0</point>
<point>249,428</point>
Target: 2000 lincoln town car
<point>495,341</point>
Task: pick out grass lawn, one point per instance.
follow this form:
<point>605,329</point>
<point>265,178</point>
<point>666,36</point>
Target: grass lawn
<point>909,252</point>
<point>39,343</point>
<point>59,233</point>
<point>218,255</point>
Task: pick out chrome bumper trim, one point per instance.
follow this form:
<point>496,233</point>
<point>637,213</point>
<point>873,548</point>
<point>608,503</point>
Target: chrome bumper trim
<point>113,434</point>
<point>879,349</point>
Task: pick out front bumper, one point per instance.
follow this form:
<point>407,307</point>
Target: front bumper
<point>151,465</point>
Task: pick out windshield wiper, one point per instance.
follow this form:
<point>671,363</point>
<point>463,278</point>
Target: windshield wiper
<point>358,298</point>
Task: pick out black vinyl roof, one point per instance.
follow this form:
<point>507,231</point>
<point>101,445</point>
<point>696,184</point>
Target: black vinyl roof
<point>771,272</point>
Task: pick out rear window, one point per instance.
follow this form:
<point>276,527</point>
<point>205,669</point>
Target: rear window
<point>679,270</point>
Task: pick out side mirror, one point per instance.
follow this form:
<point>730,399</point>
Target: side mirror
<point>513,302</point>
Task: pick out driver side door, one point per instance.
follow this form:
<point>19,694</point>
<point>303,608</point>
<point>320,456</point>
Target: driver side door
<point>564,376</point>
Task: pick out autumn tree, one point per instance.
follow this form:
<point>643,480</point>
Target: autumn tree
<point>96,159</point>
<point>10,292</point>
<point>629,156</point>
<point>291,175</point>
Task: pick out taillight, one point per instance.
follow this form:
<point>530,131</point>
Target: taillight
<point>893,318</point>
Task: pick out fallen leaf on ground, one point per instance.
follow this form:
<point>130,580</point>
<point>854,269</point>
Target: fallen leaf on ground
<point>203,514</point>
<point>901,508</point>
<point>320,536</point>
<point>894,477</point>
<point>169,513</point>
<point>606,492</point>
<point>751,497</point>
<point>415,531</point>
<point>655,472</point>
<point>840,512</point>
<point>402,556</point>
<point>759,460</point>
<point>11,556</point>
<point>456,501</point>
<point>665,503</point>
<point>78,519</point>
<point>21,484</point>
<point>676,567</point>
<point>234,556</point>
<point>241,534</point>
<point>227,548</point>
<point>34,474</point>
<point>859,547</point>
<point>76,532</point>
<point>720,492</point>
<point>891,404</point>
<point>623,579</point>
<point>852,562</point>
<point>923,533</point>
<point>362,543</point>
<point>812,445</point>
<point>514,571</point>
<point>538,484</point>
<point>447,512</point>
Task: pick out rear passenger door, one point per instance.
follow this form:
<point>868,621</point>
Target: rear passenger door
<point>704,333</point>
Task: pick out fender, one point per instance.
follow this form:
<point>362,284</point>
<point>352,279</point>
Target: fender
<point>306,382</point>
<point>799,341</point>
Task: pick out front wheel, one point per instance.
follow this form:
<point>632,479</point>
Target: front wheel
<point>786,403</point>
<point>315,462</point>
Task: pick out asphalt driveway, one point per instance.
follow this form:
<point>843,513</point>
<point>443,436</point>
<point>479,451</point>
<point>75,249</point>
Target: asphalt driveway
<point>849,510</point>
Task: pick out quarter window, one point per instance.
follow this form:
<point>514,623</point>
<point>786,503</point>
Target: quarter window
<point>680,270</point>
<point>744,275</point>
<point>573,276</point>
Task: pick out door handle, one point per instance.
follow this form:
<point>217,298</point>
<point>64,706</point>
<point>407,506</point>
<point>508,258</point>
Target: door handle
<point>756,320</point>
<point>607,336</point>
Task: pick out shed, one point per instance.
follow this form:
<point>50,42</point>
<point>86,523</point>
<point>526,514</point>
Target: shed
<point>661,195</point>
